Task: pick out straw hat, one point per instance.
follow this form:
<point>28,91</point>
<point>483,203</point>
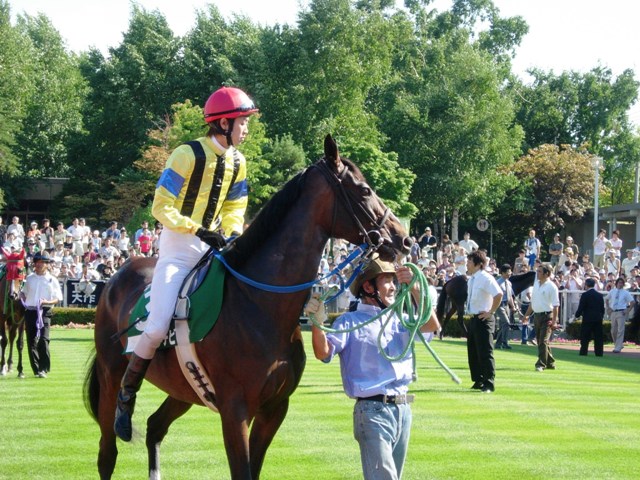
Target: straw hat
<point>375,268</point>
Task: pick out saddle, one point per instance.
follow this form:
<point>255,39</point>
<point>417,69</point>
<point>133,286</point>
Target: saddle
<point>198,304</point>
<point>197,308</point>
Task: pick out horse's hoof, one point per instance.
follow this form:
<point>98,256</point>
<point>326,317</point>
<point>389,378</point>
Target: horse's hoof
<point>21,375</point>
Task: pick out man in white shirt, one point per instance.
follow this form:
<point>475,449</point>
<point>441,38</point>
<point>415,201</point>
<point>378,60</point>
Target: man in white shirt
<point>468,244</point>
<point>629,263</point>
<point>616,242</point>
<point>483,299</point>
<point>544,305</point>
<point>599,249</point>
<point>619,303</point>
<point>77,233</point>
<point>41,291</point>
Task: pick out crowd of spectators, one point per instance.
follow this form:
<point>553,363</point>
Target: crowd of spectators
<point>443,259</point>
<point>77,251</point>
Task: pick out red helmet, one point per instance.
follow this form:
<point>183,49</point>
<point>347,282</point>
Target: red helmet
<point>228,102</point>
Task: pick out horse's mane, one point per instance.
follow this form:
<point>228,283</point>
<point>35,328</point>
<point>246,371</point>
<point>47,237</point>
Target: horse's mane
<point>268,221</point>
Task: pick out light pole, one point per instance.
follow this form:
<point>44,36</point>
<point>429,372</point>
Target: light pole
<point>596,162</point>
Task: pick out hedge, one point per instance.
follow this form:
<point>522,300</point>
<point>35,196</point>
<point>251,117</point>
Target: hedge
<point>86,316</point>
<point>66,315</point>
<point>573,331</point>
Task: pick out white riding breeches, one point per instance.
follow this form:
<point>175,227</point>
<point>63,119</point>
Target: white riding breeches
<point>178,254</point>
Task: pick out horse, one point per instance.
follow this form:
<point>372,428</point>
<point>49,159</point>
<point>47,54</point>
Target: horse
<point>254,355</point>
<point>11,322</point>
<point>455,291</point>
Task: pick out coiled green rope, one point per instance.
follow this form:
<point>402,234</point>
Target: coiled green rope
<point>411,318</point>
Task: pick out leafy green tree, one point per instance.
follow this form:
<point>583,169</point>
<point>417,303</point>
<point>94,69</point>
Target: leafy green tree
<point>16,84</point>
<point>128,91</point>
<point>391,182</point>
<point>585,109</point>
<point>555,187</point>
<point>53,106</point>
<point>204,64</point>
<point>281,160</point>
<point>452,125</point>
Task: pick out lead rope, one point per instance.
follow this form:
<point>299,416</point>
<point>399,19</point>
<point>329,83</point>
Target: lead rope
<point>412,319</point>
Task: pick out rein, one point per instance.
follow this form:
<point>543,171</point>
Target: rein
<point>412,320</point>
<point>361,254</point>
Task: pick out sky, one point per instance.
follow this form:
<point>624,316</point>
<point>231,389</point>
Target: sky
<point>563,34</point>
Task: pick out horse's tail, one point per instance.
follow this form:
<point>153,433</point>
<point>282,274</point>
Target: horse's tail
<point>442,302</point>
<point>91,388</point>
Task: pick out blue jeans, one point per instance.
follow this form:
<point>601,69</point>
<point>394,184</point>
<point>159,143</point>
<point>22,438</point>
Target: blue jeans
<point>382,431</point>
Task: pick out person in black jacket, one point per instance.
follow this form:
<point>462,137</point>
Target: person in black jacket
<point>591,309</point>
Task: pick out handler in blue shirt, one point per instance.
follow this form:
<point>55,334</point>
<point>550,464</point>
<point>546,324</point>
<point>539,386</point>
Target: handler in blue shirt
<point>381,415</point>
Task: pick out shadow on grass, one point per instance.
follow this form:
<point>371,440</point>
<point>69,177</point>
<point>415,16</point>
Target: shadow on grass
<point>609,360</point>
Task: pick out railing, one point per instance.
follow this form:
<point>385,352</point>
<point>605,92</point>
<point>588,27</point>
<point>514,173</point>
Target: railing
<point>568,305</point>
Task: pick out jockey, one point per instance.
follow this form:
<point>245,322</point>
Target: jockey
<point>14,259</point>
<point>201,197</point>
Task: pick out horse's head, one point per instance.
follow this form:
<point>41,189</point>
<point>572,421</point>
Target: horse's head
<point>359,215</point>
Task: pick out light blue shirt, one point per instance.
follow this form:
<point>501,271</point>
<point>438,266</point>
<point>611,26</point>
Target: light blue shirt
<point>365,372</point>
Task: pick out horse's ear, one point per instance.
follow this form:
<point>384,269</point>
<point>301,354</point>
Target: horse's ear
<point>331,154</point>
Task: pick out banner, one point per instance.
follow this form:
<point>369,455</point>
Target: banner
<point>79,293</point>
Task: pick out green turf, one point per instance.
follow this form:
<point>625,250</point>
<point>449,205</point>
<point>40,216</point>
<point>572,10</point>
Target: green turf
<point>578,422</point>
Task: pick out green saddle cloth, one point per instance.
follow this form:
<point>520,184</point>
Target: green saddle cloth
<point>205,304</point>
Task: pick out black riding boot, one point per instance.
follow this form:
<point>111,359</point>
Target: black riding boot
<point>131,382</point>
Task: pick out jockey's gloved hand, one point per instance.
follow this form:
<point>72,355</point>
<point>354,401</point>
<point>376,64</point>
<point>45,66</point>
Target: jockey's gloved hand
<point>213,239</point>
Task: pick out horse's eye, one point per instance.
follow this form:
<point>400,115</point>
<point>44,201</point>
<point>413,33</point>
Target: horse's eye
<point>365,190</point>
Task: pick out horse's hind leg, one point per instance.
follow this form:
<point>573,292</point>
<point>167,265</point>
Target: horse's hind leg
<point>109,381</point>
<point>463,327</point>
<point>157,427</point>
<point>263,429</point>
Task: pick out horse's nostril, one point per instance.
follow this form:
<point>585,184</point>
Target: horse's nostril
<point>407,243</point>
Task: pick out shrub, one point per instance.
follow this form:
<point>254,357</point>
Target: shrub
<point>65,316</point>
<point>573,331</point>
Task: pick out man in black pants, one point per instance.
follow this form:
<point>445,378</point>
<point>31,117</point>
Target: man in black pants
<point>483,300</point>
<point>591,309</point>
<point>41,291</point>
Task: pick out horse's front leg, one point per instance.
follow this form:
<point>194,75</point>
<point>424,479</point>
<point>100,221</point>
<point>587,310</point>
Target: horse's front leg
<point>235,430</point>
<point>3,347</point>
<point>157,427</point>
<point>13,329</point>
<point>20,347</point>
<point>263,429</point>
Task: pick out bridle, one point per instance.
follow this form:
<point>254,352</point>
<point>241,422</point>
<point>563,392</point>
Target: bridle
<point>359,258</point>
<point>373,238</point>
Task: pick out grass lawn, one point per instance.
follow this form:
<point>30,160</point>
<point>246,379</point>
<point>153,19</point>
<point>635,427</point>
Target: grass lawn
<point>577,422</point>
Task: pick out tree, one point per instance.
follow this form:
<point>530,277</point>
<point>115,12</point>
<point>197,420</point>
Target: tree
<point>585,109</point>
<point>16,84</point>
<point>128,92</point>
<point>52,111</point>
<point>452,125</point>
<point>555,187</point>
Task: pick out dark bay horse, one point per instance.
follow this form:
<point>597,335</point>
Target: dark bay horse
<point>11,328</point>
<point>254,355</point>
<point>454,296</point>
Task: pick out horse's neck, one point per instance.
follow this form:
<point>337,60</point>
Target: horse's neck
<point>292,255</point>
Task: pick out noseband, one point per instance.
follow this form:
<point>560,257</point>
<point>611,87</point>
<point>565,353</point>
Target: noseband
<point>373,238</point>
